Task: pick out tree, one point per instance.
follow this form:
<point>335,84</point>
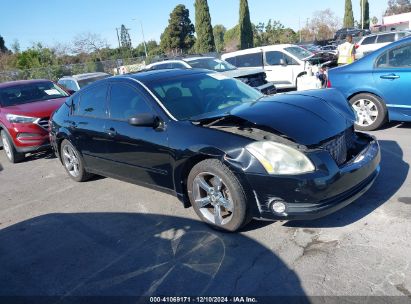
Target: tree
<point>348,16</point>
<point>321,26</point>
<point>232,39</point>
<point>89,43</point>
<point>3,48</point>
<point>273,33</point>
<point>125,40</point>
<point>178,36</point>
<point>364,4</point>
<point>218,32</point>
<point>205,38</point>
<point>398,7</point>
<point>246,30</point>
<point>374,20</point>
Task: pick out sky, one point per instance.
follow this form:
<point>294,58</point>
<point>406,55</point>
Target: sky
<point>59,21</point>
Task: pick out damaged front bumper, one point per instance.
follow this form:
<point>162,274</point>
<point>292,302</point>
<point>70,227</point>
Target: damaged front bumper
<point>313,195</point>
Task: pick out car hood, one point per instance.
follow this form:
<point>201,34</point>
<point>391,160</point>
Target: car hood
<point>307,118</point>
<point>36,109</point>
<point>242,73</point>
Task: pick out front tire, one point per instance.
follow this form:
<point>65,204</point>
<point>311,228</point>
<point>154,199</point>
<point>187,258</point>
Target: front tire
<point>73,162</point>
<point>371,111</point>
<point>12,155</point>
<point>217,196</point>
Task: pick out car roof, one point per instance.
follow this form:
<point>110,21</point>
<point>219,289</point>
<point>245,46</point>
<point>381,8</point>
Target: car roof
<point>153,75</point>
<point>21,82</point>
<point>259,49</point>
<point>85,75</point>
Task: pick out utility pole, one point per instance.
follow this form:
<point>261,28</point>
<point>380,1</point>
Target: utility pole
<point>118,38</point>
<point>144,40</point>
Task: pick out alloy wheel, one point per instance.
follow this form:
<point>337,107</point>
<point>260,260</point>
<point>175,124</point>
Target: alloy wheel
<point>213,198</point>
<point>71,160</point>
<point>367,112</point>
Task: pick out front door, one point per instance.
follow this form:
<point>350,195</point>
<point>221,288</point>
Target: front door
<point>280,69</point>
<point>137,154</point>
<point>392,76</point>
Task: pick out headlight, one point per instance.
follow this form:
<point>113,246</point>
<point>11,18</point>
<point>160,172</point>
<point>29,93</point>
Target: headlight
<point>280,159</point>
<point>20,119</point>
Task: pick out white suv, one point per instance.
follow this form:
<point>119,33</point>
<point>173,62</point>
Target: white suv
<point>373,42</point>
<point>254,77</point>
<point>283,63</point>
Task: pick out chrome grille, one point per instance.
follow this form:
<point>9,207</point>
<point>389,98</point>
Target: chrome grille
<point>44,123</point>
<point>338,146</point>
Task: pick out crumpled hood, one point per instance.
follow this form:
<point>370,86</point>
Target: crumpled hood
<point>307,118</point>
<point>37,108</point>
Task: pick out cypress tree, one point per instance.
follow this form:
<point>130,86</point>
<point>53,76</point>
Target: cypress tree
<point>367,15</point>
<point>246,30</point>
<point>205,38</point>
<point>348,16</point>
<point>178,36</point>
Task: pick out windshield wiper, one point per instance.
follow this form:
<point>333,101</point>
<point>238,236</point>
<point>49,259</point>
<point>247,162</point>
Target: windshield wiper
<point>208,122</point>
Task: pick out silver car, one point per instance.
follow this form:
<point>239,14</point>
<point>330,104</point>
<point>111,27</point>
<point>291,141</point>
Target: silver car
<point>76,82</point>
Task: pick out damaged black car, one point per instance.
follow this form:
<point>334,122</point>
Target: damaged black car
<point>219,145</point>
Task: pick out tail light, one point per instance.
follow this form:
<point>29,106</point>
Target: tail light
<point>328,83</point>
<point>357,46</point>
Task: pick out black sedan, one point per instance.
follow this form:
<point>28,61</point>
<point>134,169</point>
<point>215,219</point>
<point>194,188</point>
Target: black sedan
<point>218,145</point>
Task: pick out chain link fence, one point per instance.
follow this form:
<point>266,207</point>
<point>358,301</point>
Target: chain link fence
<point>117,66</point>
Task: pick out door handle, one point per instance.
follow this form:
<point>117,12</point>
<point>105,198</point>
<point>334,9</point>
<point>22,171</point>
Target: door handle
<point>389,76</point>
<point>111,132</point>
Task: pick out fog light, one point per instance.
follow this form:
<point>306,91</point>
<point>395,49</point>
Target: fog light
<point>278,206</point>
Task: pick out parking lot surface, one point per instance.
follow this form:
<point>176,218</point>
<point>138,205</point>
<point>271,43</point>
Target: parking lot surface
<point>106,237</point>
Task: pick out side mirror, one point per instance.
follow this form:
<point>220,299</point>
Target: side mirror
<point>283,62</point>
<point>144,120</point>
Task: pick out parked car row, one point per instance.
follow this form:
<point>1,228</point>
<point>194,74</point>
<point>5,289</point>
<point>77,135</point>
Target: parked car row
<point>255,77</point>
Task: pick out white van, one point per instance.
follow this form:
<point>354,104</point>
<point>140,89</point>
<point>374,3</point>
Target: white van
<point>283,63</point>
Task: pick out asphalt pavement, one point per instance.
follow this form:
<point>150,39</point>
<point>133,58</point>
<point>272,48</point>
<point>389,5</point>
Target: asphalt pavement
<point>106,237</point>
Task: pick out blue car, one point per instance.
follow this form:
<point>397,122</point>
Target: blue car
<point>378,86</point>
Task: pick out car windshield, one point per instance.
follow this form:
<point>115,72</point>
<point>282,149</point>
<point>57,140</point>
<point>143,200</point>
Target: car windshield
<point>202,95</point>
<point>213,64</point>
<point>299,52</point>
<point>85,82</point>
<point>26,93</point>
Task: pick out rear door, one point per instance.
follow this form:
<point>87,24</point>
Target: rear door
<point>392,76</point>
<point>89,112</point>
<point>137,154</point>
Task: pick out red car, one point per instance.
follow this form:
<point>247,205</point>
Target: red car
<point>25,108</point>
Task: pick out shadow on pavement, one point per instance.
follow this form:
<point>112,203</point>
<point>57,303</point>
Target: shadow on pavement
<point>124,254</point>
<point>394,171</point>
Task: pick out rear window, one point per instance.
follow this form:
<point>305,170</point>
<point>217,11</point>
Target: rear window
<point>247,60</point>
<point>369,40</point>
<point>32,92</point>
<point>85,82</point>
<point>386,38</point>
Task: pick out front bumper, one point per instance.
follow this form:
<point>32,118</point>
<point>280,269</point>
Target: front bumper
<point>317,194</point>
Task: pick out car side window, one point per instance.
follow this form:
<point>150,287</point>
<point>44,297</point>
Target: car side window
<point>126,101</point>
<point>162,66</point>
<point>369,40</point>
<point>231,60</point>
<point>71,85</point>
<point>93,102</point>
<point>386,38</point>
<point>250,60</point>
<point>274,58</point>
<point>399,57</point>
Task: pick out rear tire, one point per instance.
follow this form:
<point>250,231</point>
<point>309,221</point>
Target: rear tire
<point>217,196</point>
<point>73,162</point>
<point>371,111</point>
<point>12,155</point>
